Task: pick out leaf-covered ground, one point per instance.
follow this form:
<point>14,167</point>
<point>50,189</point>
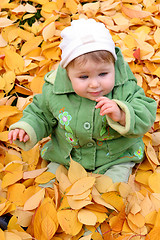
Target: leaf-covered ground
<point>29,39</point>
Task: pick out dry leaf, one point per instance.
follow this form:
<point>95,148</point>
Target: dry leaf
<point>68,220</point>
<point>34,201</point>
<point>76,171</point>
<point>81,185</point>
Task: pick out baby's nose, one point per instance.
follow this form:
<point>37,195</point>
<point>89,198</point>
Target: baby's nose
<point>94,83</point>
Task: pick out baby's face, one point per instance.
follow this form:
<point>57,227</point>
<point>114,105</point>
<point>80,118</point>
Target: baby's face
<point>92,80</point>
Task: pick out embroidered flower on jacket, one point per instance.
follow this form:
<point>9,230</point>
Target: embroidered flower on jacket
<point>139,153</point>
<point>71,139</point>
<point>64,118</point>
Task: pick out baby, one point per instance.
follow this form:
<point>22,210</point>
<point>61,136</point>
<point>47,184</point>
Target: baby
<point>91,106</point>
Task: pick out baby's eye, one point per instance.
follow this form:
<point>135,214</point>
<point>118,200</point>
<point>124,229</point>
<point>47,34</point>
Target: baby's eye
<point>103,74</point>
<point>83,77</point>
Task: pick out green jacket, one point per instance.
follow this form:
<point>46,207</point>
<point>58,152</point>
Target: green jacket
<point>76,127</point>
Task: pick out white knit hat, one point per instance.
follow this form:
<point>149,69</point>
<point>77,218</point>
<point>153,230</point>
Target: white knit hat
<point>84,36</point>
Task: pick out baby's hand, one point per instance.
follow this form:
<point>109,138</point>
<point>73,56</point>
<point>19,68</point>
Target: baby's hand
<point>110,108</point>
<point>18,134</point>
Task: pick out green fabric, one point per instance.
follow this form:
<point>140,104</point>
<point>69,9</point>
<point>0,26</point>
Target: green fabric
<point>77,129</point>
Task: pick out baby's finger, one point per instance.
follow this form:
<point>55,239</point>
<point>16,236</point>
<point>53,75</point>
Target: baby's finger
<point>26,138</point>
<point>10,136</point>
<point>15,134</point>
<point>21,134</point>
<point>101,103</point>
<point>106,111</point>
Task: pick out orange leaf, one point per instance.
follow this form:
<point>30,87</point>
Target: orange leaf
<point>45,221</point>
<point>44,177</point>
<point>31,44</point>
<point>76,171</point>
<point>72,6</point>
<point>132,13</point>
<point>154,182</point>
<point>87,217</point>
<point>68,220</point>
<point>34,201</point>
<point>49,31</point>
<point>14,61</point>
<point>113,199</point>
<point>2,235</point>
<point>117,222</point>
<point>11,178</point>
<point>81,185</point>
<point>14,191</point>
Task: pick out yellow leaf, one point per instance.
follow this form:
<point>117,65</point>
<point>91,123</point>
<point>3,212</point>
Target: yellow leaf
<point>14,191</point>
<point>137,219</point>
<point>24,217</point>
<point>130,42</point>
<point>72,6</point>
<point>87,217</point>
<point>3,43</point>
<point>37,84</point>
<point>152,154</point>
<point>5,22</point>
<point>31,157</point>
<point>2,235</point>
<point>150,218</point>
<point>81,185</point>
<point>116,222</point>
<point>11,178</point>
<point>114,199</point>
<point>30,8</point>
<point>48,227</point>
<point>49,31</point>
<point>7,111</point>
<point>64,182</point>
<point>82,196</point>
<point>154,182</point>
<point>68,220</point>
<point>14,61</point>
<point>31,45</point>
<point>78,204</point>
<point>11,236</point>
<point>9,78</point>
<point>132,13</point>
<point>45,221</point>
<point>23,235</point>
<point>103,183</point>
<point>4,136</point>
<point>34,200</point>
<point>44,177</point>
<point>153,234</point>
<point>49,7</point>
<point>76,171</point>
<point>157,36</point>
<point>124,189</point>
<point>98,199</point>
<point>91,9</point>
<point>143,176</point>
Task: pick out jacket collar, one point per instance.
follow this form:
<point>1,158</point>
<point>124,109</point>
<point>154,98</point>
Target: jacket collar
<point>62,84</point>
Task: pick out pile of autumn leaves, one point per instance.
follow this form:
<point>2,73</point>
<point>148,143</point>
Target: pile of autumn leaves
<point>80,205</point>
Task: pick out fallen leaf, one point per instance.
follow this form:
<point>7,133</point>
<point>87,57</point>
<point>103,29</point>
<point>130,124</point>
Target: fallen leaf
<point>68,220</point>
<point>34,201</point>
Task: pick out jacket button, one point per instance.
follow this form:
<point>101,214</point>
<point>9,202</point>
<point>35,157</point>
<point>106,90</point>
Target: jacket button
<point>87,125</point>
<point>90,144</point>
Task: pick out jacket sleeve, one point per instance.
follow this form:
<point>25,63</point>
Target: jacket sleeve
<point>140,110</point>
<point>37,120</point>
